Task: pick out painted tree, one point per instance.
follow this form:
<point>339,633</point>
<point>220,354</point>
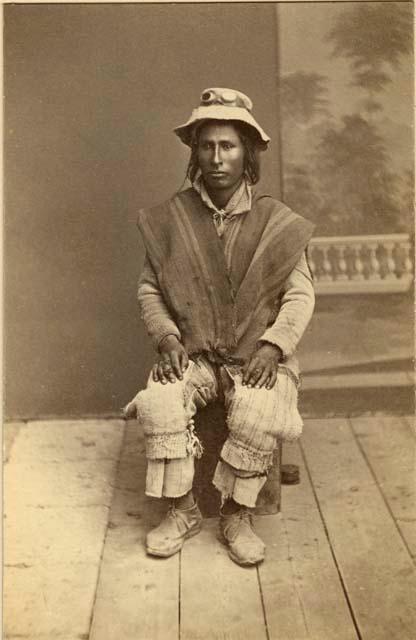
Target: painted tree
<point>374,37</point>
<point>301,191</point>
<point>358,190</point>
<point>303,97</point>
<point>303,107</point>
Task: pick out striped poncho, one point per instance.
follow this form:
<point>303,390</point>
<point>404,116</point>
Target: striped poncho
<point>222,309</point>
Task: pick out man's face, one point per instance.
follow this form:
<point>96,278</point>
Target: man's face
<point>220,156</point>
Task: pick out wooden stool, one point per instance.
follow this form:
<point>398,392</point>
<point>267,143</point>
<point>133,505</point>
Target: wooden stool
<point>210,426</point>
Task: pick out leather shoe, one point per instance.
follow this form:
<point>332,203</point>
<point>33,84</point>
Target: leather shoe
<point>178,525</point>
<point>244,546</point>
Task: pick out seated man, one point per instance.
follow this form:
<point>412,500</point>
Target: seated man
<point>225,294</point>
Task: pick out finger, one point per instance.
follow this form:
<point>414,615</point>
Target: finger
<point>160,373</point>
<point>263,378</point>
<point>244,368</point>
<point>272,379</point>
<point>174,358</point>
<point>155,373</point>
<point>249,369</point>
<point>167,369</point>
<point>255,375</point>
<point>184,360</point>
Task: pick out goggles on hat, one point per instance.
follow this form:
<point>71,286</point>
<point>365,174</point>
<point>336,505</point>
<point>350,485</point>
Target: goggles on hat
<point>226,97</point>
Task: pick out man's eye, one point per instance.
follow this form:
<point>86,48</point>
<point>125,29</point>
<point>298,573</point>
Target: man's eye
<point>227,145</point>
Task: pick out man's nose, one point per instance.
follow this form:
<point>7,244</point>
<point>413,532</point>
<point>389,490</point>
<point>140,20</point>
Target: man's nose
<point>216,156</point>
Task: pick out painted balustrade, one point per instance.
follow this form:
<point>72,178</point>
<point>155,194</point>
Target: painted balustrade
<point>362,264</point>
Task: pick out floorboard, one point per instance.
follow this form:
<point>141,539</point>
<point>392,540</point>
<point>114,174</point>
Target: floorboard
<point>390,449</point>
<point>376,569</point>
<point>302,592</point>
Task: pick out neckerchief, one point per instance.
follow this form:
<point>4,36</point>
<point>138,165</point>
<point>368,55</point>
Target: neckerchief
<point>240,202</point>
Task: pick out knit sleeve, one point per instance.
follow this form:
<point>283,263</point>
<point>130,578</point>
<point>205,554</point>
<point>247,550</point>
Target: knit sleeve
<point>154,312</point>
<point>296,308</point>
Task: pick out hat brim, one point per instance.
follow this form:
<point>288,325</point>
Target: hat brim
<point>219,112</point>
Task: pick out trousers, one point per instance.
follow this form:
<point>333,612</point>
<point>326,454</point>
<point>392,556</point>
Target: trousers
<point>256,420</point>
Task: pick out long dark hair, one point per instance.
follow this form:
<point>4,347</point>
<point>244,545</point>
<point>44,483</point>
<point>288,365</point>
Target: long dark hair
<point>249,140</point>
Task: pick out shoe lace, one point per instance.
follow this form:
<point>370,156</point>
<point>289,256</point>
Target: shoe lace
<point>246,516</point>
<point>176,514</point>
<point>241,517</point>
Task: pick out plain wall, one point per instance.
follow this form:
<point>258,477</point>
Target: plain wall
<point>92,93</point>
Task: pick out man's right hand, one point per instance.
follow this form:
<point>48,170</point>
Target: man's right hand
<point>173,361</point>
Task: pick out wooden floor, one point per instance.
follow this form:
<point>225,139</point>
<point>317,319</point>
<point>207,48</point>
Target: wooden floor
<point>339,557</point>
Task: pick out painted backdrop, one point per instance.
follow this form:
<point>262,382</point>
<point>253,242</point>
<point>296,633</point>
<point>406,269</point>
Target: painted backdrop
<point>92,95</point>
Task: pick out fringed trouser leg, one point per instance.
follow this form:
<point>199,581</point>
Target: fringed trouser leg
<point>166,414</point>
<point>257,420</point>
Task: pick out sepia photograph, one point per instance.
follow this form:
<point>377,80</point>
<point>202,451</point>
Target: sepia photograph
<point>208,321</point>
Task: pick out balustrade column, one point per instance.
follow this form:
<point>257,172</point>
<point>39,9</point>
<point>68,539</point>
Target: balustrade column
<point>390,261</point>
<point>408,264</point>
<point>342,263</point>
<point>358,264</point>
<point>374,262</point>
<point>326,266</point>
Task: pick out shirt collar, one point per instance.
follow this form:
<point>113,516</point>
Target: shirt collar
<point>240,201</point>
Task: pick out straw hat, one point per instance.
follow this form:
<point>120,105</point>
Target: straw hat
<point>222,104</point>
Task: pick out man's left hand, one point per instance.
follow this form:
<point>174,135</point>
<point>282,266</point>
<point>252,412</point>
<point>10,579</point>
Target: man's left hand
<point>261,369</point>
